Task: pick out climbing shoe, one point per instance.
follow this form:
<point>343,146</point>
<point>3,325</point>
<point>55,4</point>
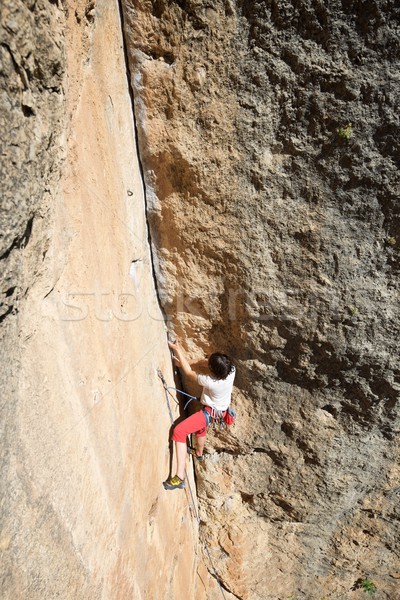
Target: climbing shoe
<point>174,483</point>
<point>192,451</point>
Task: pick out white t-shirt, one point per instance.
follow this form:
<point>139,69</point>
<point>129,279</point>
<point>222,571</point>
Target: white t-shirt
<point>216,392</point>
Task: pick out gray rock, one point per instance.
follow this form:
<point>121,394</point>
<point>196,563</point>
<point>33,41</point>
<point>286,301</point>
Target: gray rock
<point>31,120</point>
<point>269,139</point>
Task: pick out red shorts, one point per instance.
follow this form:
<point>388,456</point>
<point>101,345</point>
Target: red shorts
<point>194,424</point>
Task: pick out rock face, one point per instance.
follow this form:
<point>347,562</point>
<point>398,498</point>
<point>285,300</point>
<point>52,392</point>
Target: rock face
<point>269,137</point>
<point>84,420</point>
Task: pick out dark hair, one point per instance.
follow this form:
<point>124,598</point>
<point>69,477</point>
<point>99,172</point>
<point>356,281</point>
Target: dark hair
<point>220,365</point>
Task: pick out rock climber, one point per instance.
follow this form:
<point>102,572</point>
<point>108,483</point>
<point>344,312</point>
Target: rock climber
<point>216,398</point>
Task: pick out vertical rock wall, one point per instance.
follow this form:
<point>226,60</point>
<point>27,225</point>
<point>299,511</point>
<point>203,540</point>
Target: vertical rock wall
<point>84,420</point>
<point>269,137</point>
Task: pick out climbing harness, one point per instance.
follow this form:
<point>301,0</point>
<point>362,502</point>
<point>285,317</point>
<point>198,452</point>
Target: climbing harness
<point>219,418</point>
<point>192,508</point>
<point>214,418</point>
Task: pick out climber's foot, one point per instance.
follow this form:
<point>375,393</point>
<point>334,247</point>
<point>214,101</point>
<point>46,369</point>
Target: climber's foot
<point>192,451</point>
<point>174,483</point>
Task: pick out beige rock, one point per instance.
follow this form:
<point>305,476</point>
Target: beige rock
<point>84,513</point>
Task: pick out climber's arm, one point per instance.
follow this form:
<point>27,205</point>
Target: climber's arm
<point>199,362</point>
<point>182,362</point>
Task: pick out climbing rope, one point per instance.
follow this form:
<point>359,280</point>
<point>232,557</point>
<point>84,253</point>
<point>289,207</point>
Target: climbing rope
<point>193,507</point>
<point>184,393</point>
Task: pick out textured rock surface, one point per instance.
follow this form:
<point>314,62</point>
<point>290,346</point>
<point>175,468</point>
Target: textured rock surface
<point>84,420</point>
<point>276,230</point>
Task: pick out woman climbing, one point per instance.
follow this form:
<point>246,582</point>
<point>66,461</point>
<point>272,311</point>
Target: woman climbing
<point>216,396</point>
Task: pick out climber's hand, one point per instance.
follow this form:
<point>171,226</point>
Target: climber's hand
<point>181,361</point>
<point>177,362</point>
<point>174,346</point>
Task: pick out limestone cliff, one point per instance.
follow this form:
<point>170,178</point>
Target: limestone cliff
<point>269,139</point>
<point>269,136</point>
<point>84,421</point>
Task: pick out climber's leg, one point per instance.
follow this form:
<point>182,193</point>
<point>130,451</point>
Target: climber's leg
<point>181,451</point>
<point>194,424</point>
<point>201,440</point>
